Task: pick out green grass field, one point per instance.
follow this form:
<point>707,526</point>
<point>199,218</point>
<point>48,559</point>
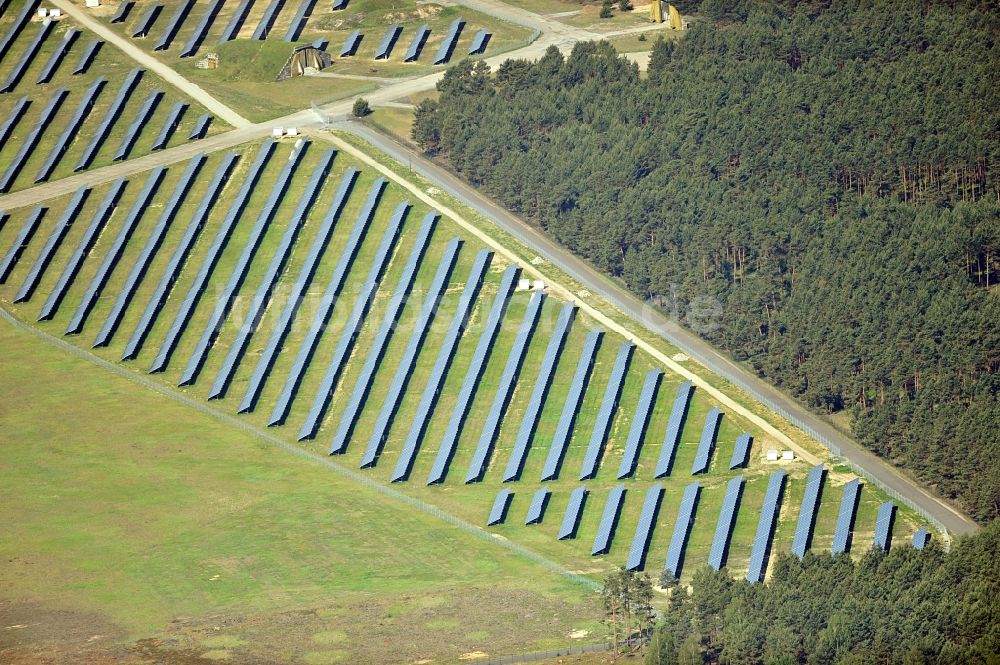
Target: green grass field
<point>108,64</point>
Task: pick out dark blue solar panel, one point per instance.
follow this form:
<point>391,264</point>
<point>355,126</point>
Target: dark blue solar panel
<point>321,43</point>
<point>845,517</point>
<point>124,9</point>
<point>232,29</point>
<point>672,438</point>
<point>224,301</point>
<point>200,127</point>
<point>572,405</point>
<point>807,514</point>
<point>765,526</point>
<point>170,124</point>
<point>536,401</point>
<point>640,421</point>
<point>167,38</point>
<point>137,124</point>
<point>390,401</point>
<point>707,443</point>
<point>388,41</point>
<point>536,511</point>
<point>83,248</point>
<point>883,525</point>
<point>351,44</point>
<point>299,20</point>
<point>432,390</point>
<point>480,356</point>
<point>644,528</point>
<point>609,404</point>
<point>349,335</point>
<point>179,256</point>
<point>479,42</point>
<point>149,251</point>
<point>571,520</point>
<point>741,451</point>
<point>110,118</point>
<point>609,520</point>
<point>57,56</point>
<point>279,258</point>
<point>27,57</point>
<point>146,22</point>
<point>326,303</point>
<point>921,538</point>
<point>52,245</point>
<point>417,45</point>
<point>13,118</point>
<point>724,527</point>
<point>201,29</point>
<point>383,335</point>
<point>448,45</point>
<point>339,4</point>
<point>507,382</point>
<point>267,20</point>
<point>28,144</point>
<point>682,527</point>
<point>114,253</point>
<point>295,297</point>
<point>222,236</point>
<point>87,58</point>
<point>500,505</point>
<point>20,21</point>
<point>70,129</point>
<point>20,243</point>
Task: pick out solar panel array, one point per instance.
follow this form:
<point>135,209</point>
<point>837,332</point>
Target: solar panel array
<point>707,443</point>
<point>236,21</point>
<point>537,508</point>
<point>180,14</point>
<point>69,37</point>
<point>110,118</point>
<point>807,514</point>
<point>609,404</point>
<point>31,140</point>
<point>200,127</point>
<point>13,118</point>
<point>727,520</point>
<point>417,45</point>
<point>170,124</point>
<point>682,528</point>
<point>20,22</point>
<point>138,123</point>
<point>87,57</point>
<point>571,407</point>
<point>574,510</point>
<point>640,421</point>
<point>845,517</point>
<point>765,526</point>
<point>194,42</point>
<point>27,57</point>
<point>498,513</point>
<point>448,45</point>
<point>515,359</point>
<point>20,243</point>
<point>384,49</point>
<point>609,521</point>
<point>471,381</point>
<point>541,388</point>
<point>299,20</point>
<point>883,525</point>
<point>479,42</point>
<point>146,22</point>
<point>124,9</point>
<point>71,129</point>
<point>921,538</point>
<point>55,239</point>
<point>644,527</point>
<point>267,20</point>
<point>741,451</point>
<point>351,44</point>
<point>672,437</point>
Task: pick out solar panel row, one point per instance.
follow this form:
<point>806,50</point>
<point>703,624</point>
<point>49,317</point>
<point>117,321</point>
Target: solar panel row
<point>845,517</point>
<point>609,404</point>
<point>177,259</point>
<point>224,301</point>
<point>417,45</point>
<point>390,400</point>
<point>27,57</point>
<point>137,125</point>
<point>707,443</point>
<point>536,401</point>
<point>86,243</point>
<point>55,239</point>
<point>31,140</point>
<point>113,255</point>
<point>339,4</point>
<point>180,14</point>
<point>20,21</point>
<point>883,525</point>
<point>13,118</point>
<point>640,421</point>
<point>201,29</point>
<point>69,37</point>
<point>571,520</point>
<point>170,124</point>
<point>123,12</point>
<point>299,20</point>
<point>267,20</point>
<point>21,242</point>
<point>383,335</point>
<point>921,538</point>
<point>741,451</point>
<point>512,368</point>
<point>222,236</point>
<point>71,129</point>
<point>110,118</point>
<point>807,514</point>
<point>765,526</point>
<point>479,42</point>
<point>152,246</point>
<point>146,22</point>
<point>351,44</point>
<point>672,437</point>
<point>307,272</point>
<point>553,461</point>
<point>279,258</point>
<point>644,527</point>
<point>724,527</point>
<point>498,513</point>
<point>480,356</point>
<point>388,41</point>
<point>538,504</point>
<point>349,335</point>
<point>609,520</point>
<point>87,57</point>
<point>236,21</point>
<point>448,45</point>
<point>432,389</point>
<point>200,127</point>
<point>325,307</point>
<point>682,528</point>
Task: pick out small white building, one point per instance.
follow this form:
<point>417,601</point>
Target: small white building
<point>523,284</point>
<point>92,3</point>
<point>772,455</point>
<point>291,131</point>
<point>787,455</point>
<point>43,12</point>
<point>277,132</point>
<point>55,13</point>
<point>538,285</point>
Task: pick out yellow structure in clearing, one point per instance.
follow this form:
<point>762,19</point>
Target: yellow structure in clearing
<point>673,17</point>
